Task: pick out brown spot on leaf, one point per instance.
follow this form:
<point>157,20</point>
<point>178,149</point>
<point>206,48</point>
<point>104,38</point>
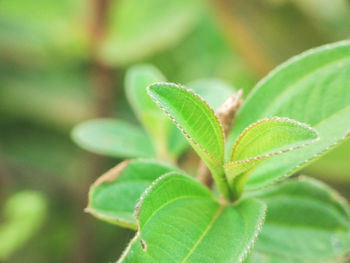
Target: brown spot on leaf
<point>111,174</point>
<point>143,245</point>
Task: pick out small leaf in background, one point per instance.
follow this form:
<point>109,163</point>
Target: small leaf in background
<point>23,214</point>
<point>24,28</point>
<point>136,80</point>
<point>138,29</point>
<point>312,88</point>
<point>177,143</point>
<point>198,123</point>
<point>262,140</point>
<point>216,57</point>
<point>306,221</point>
<point>55,98</point>
<point>113,138</point>
<point>180,221</point>
<point>153,119</point>
<point>114,195</point>
<point>213,91</point>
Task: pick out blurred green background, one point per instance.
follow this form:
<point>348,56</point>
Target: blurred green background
<point>62,62</point>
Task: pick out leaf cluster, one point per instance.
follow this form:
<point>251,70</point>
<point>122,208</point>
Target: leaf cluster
<point>293,116</point>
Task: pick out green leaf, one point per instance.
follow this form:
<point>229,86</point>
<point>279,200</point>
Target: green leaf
<point>312,88</point>
<point>137,30</point>
<point>258,257</point>
<point>114,138</point>
<point>114,195</point>
<point>26,31</point>
<point>136,80</point>
<point>177,143</point>
<point>198,122</point>
<point>153,119</point>
<point>262,140</point>
<point>216,56</point>
<point>306,221</point>
<point>24,213</point>
<point>180,221</point>
<point>335,163</point>
<point>213,91</point>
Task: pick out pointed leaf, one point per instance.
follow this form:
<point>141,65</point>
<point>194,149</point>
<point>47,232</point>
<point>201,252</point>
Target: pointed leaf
<point>262,140</point>
<point>114,195</point>
<point>312,88</point>
<point>306,221</point>
<point>114,138</point>
<point>180,221</point>
<point>197,122</point>
<point>272,136</point>
<point>215,92</point>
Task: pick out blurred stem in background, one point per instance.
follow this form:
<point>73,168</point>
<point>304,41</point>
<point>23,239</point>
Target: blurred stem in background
<point>102,77</point>
<point>241,37</point>
<point>102,74</point>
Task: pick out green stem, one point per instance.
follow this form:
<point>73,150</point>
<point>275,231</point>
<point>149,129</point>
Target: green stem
<point>223,185</point>
<point>238,184</point>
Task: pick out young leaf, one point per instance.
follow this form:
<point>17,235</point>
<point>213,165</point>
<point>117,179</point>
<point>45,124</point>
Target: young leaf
<point>114,138</point>
<point>213,91</point>
<point>306,221</point>
<point>153,119</point>
<point>114,195</point>
<point>312,88</point>
<point>262,140</point>
<point>198,123</point>
<point>180,221</point>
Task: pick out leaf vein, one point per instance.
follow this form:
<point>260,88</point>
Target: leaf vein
<point>211,223</point>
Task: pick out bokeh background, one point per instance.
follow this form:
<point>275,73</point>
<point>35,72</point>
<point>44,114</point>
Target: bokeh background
<point>63,62</point>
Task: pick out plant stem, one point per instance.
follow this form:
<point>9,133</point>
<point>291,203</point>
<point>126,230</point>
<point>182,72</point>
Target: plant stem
<point>204,175</point>
<point>226,114</point>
